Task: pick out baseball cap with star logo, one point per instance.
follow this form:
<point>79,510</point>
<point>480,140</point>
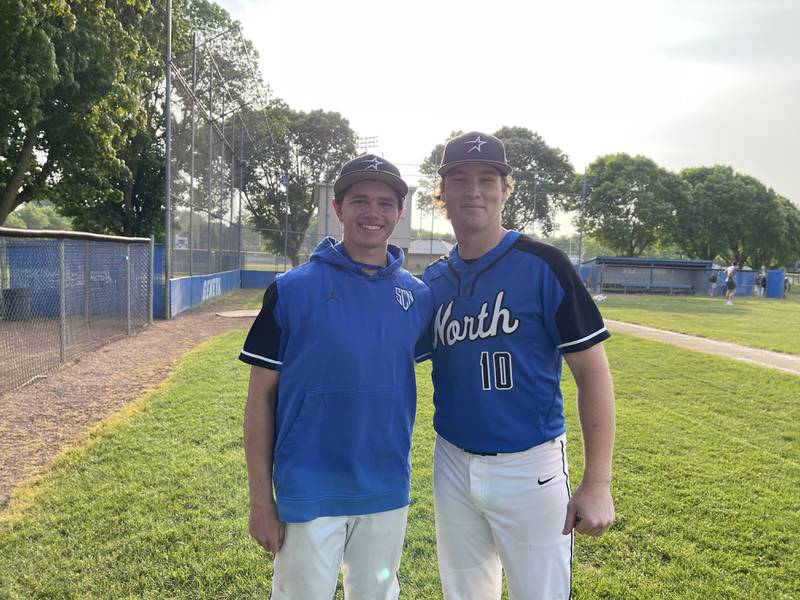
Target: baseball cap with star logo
<point>369,166</point>
<point>474,147</point>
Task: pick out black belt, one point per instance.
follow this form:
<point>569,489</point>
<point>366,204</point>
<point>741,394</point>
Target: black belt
<point>480,453</point>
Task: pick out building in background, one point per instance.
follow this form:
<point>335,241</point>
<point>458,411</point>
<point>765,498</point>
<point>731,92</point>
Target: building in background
<point>421,253</point>
<point>609,274</point>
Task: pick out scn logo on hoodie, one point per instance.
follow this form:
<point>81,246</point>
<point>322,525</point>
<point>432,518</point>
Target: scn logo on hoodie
<point>449,332</point>
<point>404,297</point>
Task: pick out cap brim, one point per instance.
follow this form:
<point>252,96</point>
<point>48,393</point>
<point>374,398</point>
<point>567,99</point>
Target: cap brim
<point>502,167</point>
<point>392,181</point>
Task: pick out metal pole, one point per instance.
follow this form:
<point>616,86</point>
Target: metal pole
<point>430,250</point>
<point>241,185</point>
<point>150,280</point>
<point>583,210</point>
<point>286,216</point>
<point>535,191</point>
<point>191,172</point>
<point>210,164</point>
<point>286,232</point>
<point>221,189</point>
<point>62,302</point>
<point>230,193</point>
<point>168,165</point>
<point>87,283</point>
<point>128,285</point>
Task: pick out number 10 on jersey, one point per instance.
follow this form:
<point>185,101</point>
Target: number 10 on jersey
<point>498,369</point>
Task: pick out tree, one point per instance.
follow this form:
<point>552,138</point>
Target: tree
<point>630,203</point>
<point>789,251</point>
<point>704,213</point>
<point>38,215</point>
<point>761,228</point>
<point>138,207</point>
<point>734,218</point>
<point>428,176</point>
<point>65,99</point>
<point>569,244</point>
<point>542,175</point>
<point>310,147</point>
<point>81,104</point>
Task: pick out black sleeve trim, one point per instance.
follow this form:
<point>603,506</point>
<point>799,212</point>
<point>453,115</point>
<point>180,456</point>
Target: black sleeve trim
<point>259,361</point>
<point>577,318</point>
<point>263,343</point>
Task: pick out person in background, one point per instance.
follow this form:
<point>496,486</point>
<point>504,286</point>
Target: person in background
<point>730,284</point>
<point>712,284</point>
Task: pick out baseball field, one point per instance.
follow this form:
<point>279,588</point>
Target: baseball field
<point>759,322</point>
<point>707,465</point>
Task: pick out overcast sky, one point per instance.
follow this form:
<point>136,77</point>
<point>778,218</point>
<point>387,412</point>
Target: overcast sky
<point>684,82</point>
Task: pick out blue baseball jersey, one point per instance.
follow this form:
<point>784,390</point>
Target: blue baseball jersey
<point>501,324</point>
<point>343,342</point>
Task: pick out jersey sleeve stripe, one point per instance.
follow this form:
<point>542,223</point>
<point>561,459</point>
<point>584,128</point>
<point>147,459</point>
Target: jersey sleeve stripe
<point>583,339</point>
<point>423,357</point>
<point>264,358</point>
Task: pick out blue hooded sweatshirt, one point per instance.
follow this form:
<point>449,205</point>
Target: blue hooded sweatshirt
<point>343,342</point>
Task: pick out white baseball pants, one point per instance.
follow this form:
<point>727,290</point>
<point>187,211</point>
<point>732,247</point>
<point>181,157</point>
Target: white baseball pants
<point>503,513</point>
<point>367,548</point>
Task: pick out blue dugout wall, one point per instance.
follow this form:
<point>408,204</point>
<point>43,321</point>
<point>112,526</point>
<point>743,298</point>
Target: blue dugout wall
<point>188,292</point>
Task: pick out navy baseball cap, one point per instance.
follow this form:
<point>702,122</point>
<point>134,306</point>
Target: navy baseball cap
<point>369,166</point>
<point>474,147</point>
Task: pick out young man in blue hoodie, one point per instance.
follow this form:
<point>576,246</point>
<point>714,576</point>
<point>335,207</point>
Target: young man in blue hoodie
<point>332,400</point>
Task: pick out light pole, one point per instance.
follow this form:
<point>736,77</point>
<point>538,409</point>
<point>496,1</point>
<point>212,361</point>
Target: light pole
<point>168,165</point>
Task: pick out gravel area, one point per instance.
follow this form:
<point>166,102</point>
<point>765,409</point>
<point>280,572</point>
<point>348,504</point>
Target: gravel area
<point>54,413</point>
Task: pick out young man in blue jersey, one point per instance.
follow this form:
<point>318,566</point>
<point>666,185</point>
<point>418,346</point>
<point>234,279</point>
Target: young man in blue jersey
<point>332,399</point>
<point>506,310</point>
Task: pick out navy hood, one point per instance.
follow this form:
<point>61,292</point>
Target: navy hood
<point>332,252</point>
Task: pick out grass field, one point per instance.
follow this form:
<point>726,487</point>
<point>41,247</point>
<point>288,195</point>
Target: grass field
<point>758,322</point>
<point>154,505</point>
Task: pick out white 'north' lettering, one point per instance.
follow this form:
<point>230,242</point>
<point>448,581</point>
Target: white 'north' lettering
<point>449,332</point>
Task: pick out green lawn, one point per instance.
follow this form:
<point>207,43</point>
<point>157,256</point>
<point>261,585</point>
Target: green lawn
<point>154,506</point>
<point>255,303</point>
<point>279,268</point>
<point>758,322</point>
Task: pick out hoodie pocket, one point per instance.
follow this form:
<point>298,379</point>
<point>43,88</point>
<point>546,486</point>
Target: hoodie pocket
<point>346,443</point>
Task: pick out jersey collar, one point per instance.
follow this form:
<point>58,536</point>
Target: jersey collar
<point>484,261</point>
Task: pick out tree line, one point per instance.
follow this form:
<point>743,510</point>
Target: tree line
<point>631,206</point>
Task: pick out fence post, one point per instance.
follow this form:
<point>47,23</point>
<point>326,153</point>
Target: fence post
<point>87,283</point>
<point>128,286</point>
<point>602,273</point>
<point>151,274</point>
<point>62,292</point>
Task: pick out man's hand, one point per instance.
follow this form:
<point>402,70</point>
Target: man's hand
<point>266,528</point>
<point>590,510</point>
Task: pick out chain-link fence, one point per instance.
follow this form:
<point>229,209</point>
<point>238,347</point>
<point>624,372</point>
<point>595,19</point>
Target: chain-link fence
<point>63,294</point>
<point>207,141</point>
<point>269,249</point>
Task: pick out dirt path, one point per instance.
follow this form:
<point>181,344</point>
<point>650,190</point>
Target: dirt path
<point>762,358</point>
<point>40,420</point>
